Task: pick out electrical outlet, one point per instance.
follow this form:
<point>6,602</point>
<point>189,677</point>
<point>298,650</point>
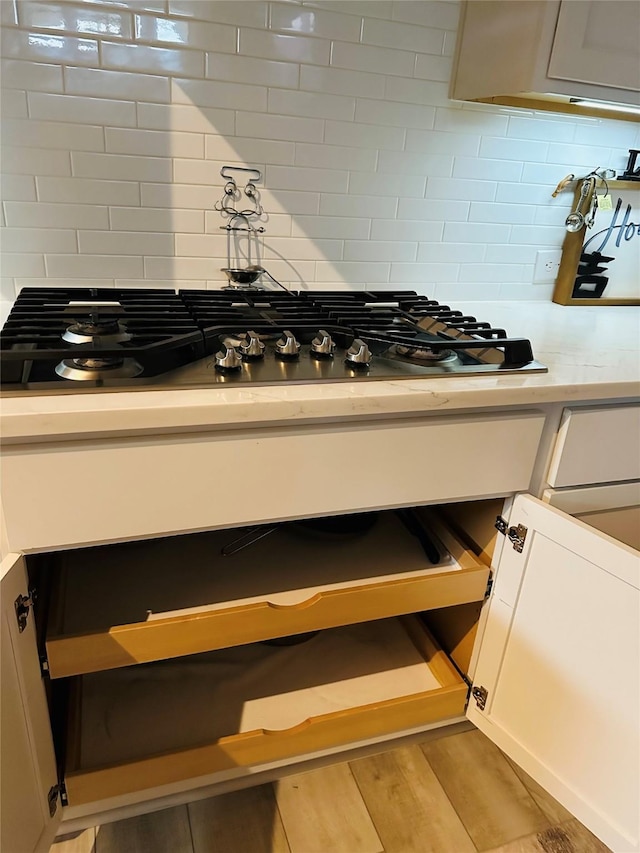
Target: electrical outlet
<point>547,266</point>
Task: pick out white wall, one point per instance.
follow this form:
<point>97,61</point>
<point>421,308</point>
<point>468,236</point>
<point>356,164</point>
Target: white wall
<point>117,117</point>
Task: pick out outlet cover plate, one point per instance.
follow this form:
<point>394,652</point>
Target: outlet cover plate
<point>547,266</point>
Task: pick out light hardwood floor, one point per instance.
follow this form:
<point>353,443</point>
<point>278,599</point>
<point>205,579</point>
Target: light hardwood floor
<point>455,794</point>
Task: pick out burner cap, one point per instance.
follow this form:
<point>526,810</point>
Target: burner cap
<point>85,369</point>
<point>96,332</point>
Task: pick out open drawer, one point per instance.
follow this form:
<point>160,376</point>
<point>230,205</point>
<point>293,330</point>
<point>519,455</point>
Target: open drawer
<point>250,705</point>
<point>119,605</point>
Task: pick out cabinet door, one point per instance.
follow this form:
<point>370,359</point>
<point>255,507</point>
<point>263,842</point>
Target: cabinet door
<point>27,761</point>
<point>598,42</point>
<point>559,660</point>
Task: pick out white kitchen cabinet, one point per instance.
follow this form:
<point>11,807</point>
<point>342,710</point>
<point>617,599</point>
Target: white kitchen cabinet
<point>541,54</point>
<point>557,658</point>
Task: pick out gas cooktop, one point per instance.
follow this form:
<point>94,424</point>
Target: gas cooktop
<point>92,339</point>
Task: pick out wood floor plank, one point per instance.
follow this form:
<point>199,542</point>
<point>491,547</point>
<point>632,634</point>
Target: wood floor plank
<point>76,842</point>
<point>569,837</point>
<point>238,822</point>
<point>322,811</point>
<point>550,807</point>
<point>490,800</point>
<point>157,832</point>
<point>408,805</point>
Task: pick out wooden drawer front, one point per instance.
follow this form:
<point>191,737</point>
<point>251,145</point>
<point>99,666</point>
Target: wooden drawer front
<point>146,601</point>
<point>181,484</point>
<point>254,704</point>
<point>597,445</point>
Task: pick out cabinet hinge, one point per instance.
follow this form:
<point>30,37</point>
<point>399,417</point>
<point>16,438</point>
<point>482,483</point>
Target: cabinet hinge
<point>52,798</point>
<point>487,591</point>
<point>22,605</point>
<point>480,694</point>
<point>516,535</point>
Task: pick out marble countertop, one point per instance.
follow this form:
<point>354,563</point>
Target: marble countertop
<point>593,354</point>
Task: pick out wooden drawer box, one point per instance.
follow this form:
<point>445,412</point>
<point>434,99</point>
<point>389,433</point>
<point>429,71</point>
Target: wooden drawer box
<point>250,705</point>
<point>126,604</point>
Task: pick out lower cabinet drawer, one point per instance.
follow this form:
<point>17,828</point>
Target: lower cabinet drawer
<point>127,604</point>
<point>161,723</point>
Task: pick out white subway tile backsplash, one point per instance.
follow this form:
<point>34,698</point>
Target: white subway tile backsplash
<point>433,67</point>
<point>428,13</point>
<point>315,22</point>
<point>121,168</point>
<point>504,213</point>
<point>245,69</point>
<point>270,45</point>
<point>170,220</point>
<point>341,228</point>
<point>412,163</point>
<point>32,76</point>
<point>416,91</point>
<point>81,110</point>
<point>439,142</point>
<point>362,57</point>
<point>13,104</point>
<point>332,204</point>
<point>22,264</point>
<point>211,93</point>
<point>84,191</point>
<point>311,104</point>
<point>396,114</point>
<point>461,188</point>
<point>253,14</point>
<point>119,114</point>
<point>20,160</point>
<point>193,34</point>
<point>426,209</point>
<point>87,266</point>
<point>29,214</point>
<point>53,134</point>
<point>74,19</point>
<point>249,151</point>
<point>279,127</point>
<point>503,148</point>
<point>476,232</point>
<point>380,250</point>
<point>152,143</point>
<point>402,36</point>
<point>38,240</point>
<point>403,229</point>
<point>338,81</point>
<point>18,188</point>
<point>125,243</point>
<point>419,273</point>
<point>335,157</point>
<point>486,170</point>
<point>352,271</point>
<point>186,117</point>
<point>403,186</point>
<point>364,135</point>
<point>313,180</point>
<point>449,253</point>
<point>151,60</point>
<point>128,86</point>
<point>46,47</point>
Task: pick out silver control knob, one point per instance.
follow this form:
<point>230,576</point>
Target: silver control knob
<point>323,345</point>
<point>288,346</point>
<point>227,358</point>
<point>359,354</point>
<point>252,346</point>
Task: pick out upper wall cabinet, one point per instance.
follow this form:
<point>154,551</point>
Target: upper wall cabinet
<point>544,54</point>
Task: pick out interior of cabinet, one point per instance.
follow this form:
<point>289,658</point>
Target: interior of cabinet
<point>222,665</point>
